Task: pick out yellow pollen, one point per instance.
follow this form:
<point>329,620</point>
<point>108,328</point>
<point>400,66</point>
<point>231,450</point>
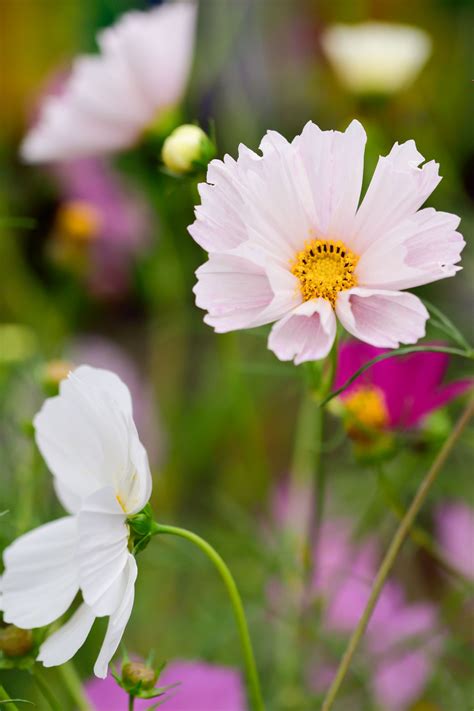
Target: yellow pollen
<point>367,412</point>
<point>324,268</point>
<point>122,505</point>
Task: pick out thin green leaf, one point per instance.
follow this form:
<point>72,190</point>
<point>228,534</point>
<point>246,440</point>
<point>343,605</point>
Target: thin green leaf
<point>405,350</point>
<point>17,701</point>
<point>446,325</point>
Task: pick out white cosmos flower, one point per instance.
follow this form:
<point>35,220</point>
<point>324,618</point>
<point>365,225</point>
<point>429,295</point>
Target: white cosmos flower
<point>288,243</point>
<point>376,57</point>
<point>101,475</point>
<point>112,97</point>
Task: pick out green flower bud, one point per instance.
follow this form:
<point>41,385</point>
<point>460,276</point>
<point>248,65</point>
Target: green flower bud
<point>15,642</point>
<point>134,673</point>
<point>186,149</point>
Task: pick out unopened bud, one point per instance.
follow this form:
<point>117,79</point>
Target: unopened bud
<point>15,642</point>
<point>186,149</point>
<point>134,673</point>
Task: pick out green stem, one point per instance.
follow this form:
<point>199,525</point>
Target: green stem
<point>46,692</point>
<point>10,705</point>
<point>406,350</point>
<point>391,555</point>
<point>73,684</point>
<point>253,682</point>
<point>131,702</point>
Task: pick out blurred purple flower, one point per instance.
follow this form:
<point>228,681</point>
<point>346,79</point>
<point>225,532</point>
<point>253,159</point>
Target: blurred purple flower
<point>455,534</point>
<point>124,221</point>
<point>203,687</point>
<point>102,353</point>
<point>410,387</point>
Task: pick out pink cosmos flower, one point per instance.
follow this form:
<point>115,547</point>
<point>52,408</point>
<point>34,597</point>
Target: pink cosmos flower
<point>398,392</point>
<point>112,97</point>
<point>123,221</point>
<point>289,243</point>
<point>203,687</point>
<point>455,534</point>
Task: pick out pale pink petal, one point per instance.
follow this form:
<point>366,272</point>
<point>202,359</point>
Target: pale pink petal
<point>237,293</point>
<point>63,644</point>
<point>397,190</point>
<point>399,683</point>
<point>382,318</point>
<point>421,249</point>
<point>334,164</point>
<point>305,334</point>
<point>112,97</point>
<point>455,532</point>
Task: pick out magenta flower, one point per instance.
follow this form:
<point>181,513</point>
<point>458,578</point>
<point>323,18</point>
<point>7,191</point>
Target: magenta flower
<point>203,687</point>
<point>398,392</point>
<point>455,534</point>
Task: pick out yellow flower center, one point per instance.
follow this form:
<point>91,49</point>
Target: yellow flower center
<point>78,221</point>
<point>324,268</point>
<point>367,412</point>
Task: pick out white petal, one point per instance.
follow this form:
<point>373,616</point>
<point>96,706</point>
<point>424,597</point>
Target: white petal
<point>397,190</point>
<point>103,551</point>
<point>305,334</point>
<point>41,574</point>
<point>63,644</point>
<point>118,621</point>
<point>89,440</point>
<point>382,318</point>
<point>419,250</point>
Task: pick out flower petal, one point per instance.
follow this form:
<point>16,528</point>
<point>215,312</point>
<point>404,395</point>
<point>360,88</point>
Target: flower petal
<point>89,440</point>
<point>41,576</point>
<point>397,190</point>
<point>103,550</point>
<point>307,333</point>
<point>382,318</point>
<point>419,250</point>
<point>118,621</point>
<point>237,292</point>
<point>63,644</point>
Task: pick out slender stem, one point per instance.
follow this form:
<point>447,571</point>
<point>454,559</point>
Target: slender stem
<point>46,692</point>
<point>406,350</point>
<point>4,697</point>
<point>131,702</point>
<point>393,550</point>
<point>253,682</point>
<point>73,684</point>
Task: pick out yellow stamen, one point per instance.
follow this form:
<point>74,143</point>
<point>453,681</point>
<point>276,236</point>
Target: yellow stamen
<point>78,221</point>
<point>120,500</point>
<point>324,268</point>
<point>367,412</point>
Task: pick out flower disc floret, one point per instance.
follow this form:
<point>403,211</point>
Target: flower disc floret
<point>324,268</point>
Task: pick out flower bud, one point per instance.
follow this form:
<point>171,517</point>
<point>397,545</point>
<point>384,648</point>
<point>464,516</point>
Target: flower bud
<point>15,642</point>
<point>186,149</point>
<point>134,673</point>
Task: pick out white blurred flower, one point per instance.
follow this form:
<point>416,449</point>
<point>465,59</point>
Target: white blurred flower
<point>376,57</point>
<point>101,475</point>
<point>112,97</point>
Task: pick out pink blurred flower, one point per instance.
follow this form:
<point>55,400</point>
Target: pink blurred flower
<point>112,97</point>
<point>289,244</point>
<point>455,534</point>
<point>203,687</point>
<point>402,640</point>
<point>124,222</point>
<point>407,388</point>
